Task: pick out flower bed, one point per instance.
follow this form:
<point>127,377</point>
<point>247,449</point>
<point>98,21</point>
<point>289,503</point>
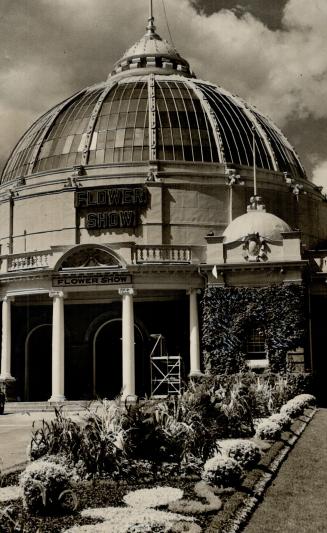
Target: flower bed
<point>160,466</point>
<point>234,503</point>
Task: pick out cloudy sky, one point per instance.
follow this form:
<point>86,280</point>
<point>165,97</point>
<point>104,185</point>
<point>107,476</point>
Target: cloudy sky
<point>273,53</point>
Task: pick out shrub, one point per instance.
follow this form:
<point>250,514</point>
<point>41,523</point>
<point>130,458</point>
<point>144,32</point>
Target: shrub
<point>222,471</point>
<point>245,452</point>
<point>296,406</point>
<point>305,399</point>
<point>201,409</point>
<point>43,485</point>
<point>292,409</point>
<point>268,430</point>
<point>281,419</point>
<point>299,383</point>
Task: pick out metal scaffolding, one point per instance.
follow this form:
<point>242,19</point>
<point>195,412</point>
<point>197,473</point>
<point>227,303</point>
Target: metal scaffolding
<point>166,375</point>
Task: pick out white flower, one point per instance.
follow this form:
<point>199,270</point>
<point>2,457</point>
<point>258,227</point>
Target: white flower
<point>120,519</point>
<point>9,493</point>
<point>147,498</point>
<point>139,512</point>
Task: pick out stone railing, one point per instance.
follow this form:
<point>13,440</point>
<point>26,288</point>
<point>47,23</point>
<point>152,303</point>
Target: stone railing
<point>162,254</point>
<point>28,261</point>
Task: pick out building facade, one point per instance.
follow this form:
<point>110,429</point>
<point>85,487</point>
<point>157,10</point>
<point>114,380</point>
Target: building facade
<point>122,206</point>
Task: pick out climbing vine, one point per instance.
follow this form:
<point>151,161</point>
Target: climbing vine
<point>228,313</point>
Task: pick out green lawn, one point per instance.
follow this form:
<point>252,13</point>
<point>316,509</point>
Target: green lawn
<point>296,500</point>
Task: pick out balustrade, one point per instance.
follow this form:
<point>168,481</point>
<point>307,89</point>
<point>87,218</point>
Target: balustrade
<point>27,262</point>
<point>162,254</point>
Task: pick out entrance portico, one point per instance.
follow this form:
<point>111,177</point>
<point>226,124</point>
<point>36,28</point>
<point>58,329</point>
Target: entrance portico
<point>63,318</point>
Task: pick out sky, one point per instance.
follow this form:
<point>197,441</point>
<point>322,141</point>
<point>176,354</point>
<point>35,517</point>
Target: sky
<point>272,53</point>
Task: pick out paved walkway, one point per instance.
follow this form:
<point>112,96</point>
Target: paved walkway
<point>296,502</point>
<point>15,435</point>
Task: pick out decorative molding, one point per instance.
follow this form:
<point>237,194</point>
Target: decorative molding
<point>232,178</point>
<point>255,248</point>
<point>88,257</point>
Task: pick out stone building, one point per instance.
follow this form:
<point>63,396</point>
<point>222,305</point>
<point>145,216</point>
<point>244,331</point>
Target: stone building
<point>125,202</point>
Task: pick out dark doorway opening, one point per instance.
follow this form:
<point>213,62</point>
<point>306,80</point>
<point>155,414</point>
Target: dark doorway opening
<point>38,349</point>
<point>107,360</point>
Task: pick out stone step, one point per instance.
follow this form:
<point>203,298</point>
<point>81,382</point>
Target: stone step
<point>67,406</point>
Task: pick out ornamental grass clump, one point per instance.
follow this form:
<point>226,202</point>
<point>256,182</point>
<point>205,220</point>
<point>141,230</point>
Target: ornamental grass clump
<point>244,451</point>
<point>222,471</point>
<point>46,488</point>
<point>268,430</point>
<point>61,435</point>
<point>97,447</point>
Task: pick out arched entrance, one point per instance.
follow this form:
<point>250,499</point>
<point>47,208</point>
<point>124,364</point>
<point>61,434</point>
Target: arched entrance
<point>38,348</point>
<point>107,360</point>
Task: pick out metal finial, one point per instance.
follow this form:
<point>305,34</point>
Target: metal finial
<point>151,27</point>
<point>254,162</point>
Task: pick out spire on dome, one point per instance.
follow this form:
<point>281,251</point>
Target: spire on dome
<point>151,29</point>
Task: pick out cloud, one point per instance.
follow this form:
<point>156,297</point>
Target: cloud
<point>283,72</point>
<point>319,175</point>
<point>51,49</point>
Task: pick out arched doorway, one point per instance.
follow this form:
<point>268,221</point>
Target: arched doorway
<point>38,349</point>
<point>107,360</point>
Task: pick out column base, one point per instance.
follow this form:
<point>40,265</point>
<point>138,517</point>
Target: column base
<point>8,386</point>
<point>6,377</point>
<point>57,399</point>
<point>195,374</point>
<point>129,398</point>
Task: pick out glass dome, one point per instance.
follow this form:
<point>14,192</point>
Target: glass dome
<point>151,108</point>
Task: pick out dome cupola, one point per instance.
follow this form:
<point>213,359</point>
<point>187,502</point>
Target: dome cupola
<point>151,54</point>
<point>256,222</point>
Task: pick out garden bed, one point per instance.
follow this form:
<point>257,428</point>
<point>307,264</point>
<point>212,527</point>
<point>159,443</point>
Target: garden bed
<point>237,504</point>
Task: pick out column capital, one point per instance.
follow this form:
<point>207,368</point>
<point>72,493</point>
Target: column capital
<point>7,298</point>
<point>127,290</point>
<point>192,291</point>
<point>57,294</point>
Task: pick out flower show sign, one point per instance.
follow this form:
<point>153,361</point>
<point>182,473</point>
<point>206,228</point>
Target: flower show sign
<point>84,279</point>
<point>111,207</point>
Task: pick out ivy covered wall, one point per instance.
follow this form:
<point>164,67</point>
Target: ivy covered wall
<point>228,313</point>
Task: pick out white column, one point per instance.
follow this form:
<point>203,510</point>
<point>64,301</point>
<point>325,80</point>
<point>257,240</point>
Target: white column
<point>195,366</point>
<point>128,342</point>
<point>6,340</point>
<point>58,347</point>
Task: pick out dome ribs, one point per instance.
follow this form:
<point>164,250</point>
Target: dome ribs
<point>152,116</point>
<point>46,130</point>
<point>211,118</point>
<point>92,121</point>
<point>148,118</point>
